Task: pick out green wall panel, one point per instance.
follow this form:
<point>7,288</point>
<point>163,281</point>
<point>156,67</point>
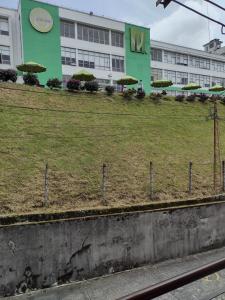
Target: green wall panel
<point>138,54</point>
<point>43,48</point>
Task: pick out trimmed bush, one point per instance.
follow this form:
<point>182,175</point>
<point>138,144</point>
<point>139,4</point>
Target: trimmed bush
<point>203,98</point>
<point>73,85</point>
<point>128,94</point>
<point>54,83</point>
<point>180,98</point>
<point>30,79</point>
<point>8,75</point>
<point>191,98</point>
<point>91,86</point>
<point>110,90</point>
<point>140,94</point>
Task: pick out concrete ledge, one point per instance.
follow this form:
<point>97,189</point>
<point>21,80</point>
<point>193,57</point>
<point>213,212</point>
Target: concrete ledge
<point>66,215</point>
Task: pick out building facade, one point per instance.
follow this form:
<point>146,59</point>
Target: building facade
<point>184,65</point>
<point>67,41</point>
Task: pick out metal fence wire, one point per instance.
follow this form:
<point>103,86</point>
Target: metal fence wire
<point>108,185</point>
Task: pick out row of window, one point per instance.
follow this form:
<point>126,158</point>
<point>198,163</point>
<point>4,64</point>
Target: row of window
<point>4,26</point>
<point>182,78</point>
<point>92,60</point>
<point>185,60</point>
<point>92,34</point>
<point>4,55</point>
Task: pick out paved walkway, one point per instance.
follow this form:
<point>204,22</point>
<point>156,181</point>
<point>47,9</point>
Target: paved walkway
<point>117,285</point>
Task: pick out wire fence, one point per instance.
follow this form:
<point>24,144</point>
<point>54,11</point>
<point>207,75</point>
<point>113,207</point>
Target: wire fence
<point>107,185</point>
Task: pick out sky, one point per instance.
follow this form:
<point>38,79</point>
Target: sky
<point>173,24</point>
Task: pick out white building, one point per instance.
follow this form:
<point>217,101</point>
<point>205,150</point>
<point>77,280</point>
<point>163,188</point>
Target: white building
<point>183,65</point>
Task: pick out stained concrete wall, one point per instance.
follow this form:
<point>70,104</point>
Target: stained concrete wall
<point>39,255</point>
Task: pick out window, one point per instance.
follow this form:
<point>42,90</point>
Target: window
<point>67,29</point>
<point>181,78</point>
<point>68,56</point>
<point>4,55</point>
<point>117,39</point>
<point>218,66</point>
<point>156,74</point>
<point>199,62</point>
<point>117,63</point>
<point>175,58</point>
<point>93,34</point>
<point>170,75</point>
<point>4,26</point>
<point>202,80</point>
<point>93,60</point>
<point>217,80</point>
<point>156,54</point>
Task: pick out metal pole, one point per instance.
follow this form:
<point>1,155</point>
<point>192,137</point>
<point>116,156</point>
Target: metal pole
<point>151,177</point>
<point>104,184</point>
<point>214,144</point>
<point>223,173</point>
<point>171,284</point>
<point>190,177</point>
<point>46,186</point>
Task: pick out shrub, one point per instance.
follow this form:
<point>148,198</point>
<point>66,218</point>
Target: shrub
<point>91,86</point>
<point>140,94</point>
<point>73,85</point>
<point>164,93</point>
<point>203,98</point>
<point>30,79</point>
<point>110,90</point>
<point>191,98</point>
<point>222,100</point>
<point>54,83</point>
<point>8,75</point>
<point>180,98</point>
<point>128,94</point>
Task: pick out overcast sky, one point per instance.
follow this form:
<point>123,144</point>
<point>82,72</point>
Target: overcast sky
<point>174,25</point>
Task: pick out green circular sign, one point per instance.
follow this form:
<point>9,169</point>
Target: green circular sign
<point>41,20</point>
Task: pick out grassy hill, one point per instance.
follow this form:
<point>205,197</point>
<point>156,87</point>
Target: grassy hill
<point>77,133</point>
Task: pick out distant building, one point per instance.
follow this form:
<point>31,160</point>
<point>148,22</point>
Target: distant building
<point>184,65</point>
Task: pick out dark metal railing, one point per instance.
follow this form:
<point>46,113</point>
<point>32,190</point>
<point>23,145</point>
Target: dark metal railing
<point>174,283</point>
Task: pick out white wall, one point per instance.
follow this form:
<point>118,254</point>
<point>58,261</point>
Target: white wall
<point>14,39</point>
<point>84,18</point>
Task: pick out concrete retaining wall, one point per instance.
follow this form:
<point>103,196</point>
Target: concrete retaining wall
<point>39,255</point>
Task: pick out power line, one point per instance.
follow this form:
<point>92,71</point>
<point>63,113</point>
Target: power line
<point>215,4</point>
<point>91,112</point>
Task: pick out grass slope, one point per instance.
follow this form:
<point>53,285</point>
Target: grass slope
<point>125,137</point>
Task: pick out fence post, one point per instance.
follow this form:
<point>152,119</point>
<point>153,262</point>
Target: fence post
<point>151,177</point>
<point>223,174</point>
<point>103,187</point>
<point>46,186</point>
<point>190,177</point>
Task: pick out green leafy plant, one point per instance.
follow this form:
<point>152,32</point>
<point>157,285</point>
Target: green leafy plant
<point>128,94</point>
<point>91,86</point>
<point>30,79</point>
<point>179,98</point>
<point>191,98</point>
<point>73,85</point>
<point>8,75</point>
<point>54,83</point>
<point>203,98</point>
<point>140,94</point>
<point>110,90</point>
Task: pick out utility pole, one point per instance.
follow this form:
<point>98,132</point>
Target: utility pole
<point>216,150</point>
